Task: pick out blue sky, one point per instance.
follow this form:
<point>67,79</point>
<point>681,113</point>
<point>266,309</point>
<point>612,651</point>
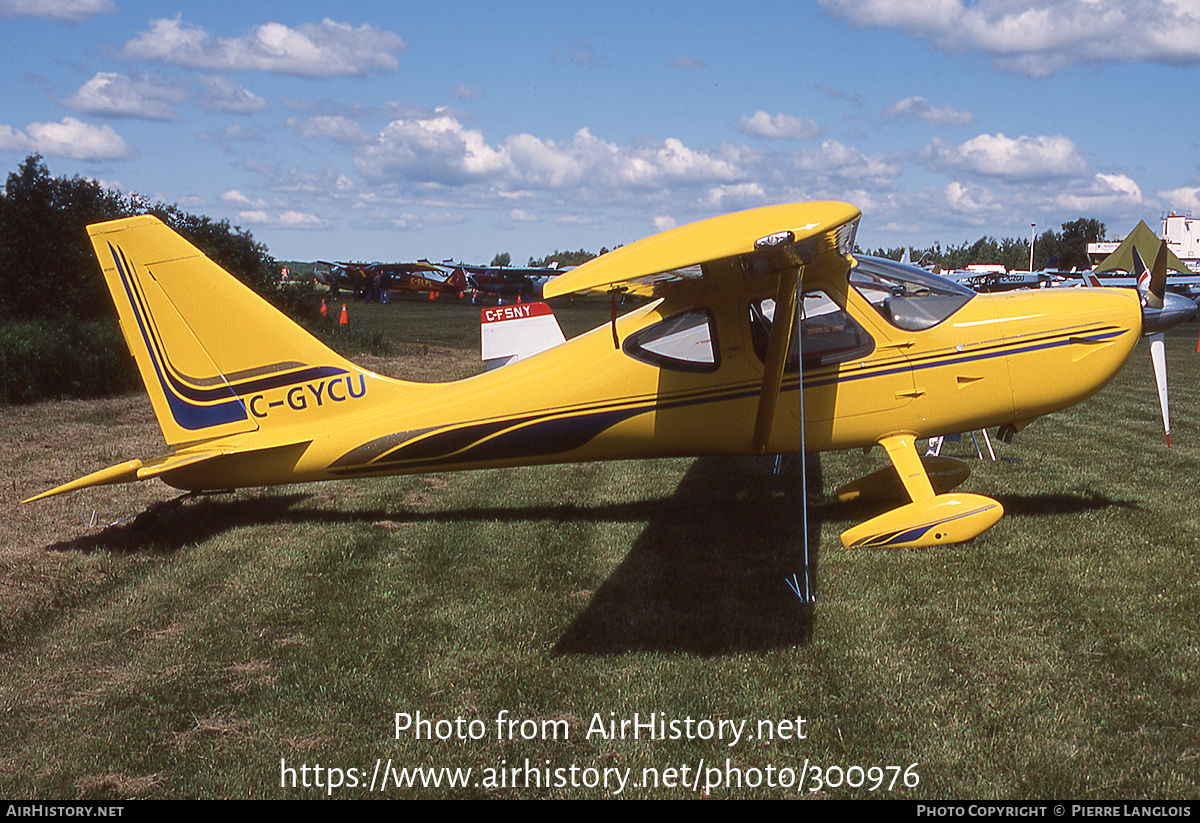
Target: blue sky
<point>401,130</point>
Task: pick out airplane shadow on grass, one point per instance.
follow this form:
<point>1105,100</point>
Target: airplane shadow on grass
<point>709,574</point>
<point>706,575</point>
<point>1018,505</point>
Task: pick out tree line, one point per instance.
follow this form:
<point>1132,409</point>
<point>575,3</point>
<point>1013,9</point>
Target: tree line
<point>1063,250</point>
<point>48,267</point>
<point>563,258</point>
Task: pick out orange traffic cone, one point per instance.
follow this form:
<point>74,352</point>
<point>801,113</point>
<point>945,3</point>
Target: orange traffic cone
<point>431,297</point>
<point>345,321</point>
<point>324,310</point>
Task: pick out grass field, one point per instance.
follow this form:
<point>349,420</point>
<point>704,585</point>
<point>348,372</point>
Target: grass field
<point>264,643</point>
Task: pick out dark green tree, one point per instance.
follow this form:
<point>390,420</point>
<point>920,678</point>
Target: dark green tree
<point>501,259</point>
<point>47,266</point>
<point>49,269</point>
<point>1074,241</point>
<point>1066,250</point>
<point>59,335</point>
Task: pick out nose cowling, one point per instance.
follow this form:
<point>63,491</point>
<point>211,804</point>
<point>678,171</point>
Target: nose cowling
<point>1068,343</point>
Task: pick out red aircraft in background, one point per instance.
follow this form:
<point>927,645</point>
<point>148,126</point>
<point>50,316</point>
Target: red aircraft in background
<point>421,276</point>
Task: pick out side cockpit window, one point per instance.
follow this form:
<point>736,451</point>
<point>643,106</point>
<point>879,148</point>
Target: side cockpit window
<point>829,334</point>
<point>683,342</point>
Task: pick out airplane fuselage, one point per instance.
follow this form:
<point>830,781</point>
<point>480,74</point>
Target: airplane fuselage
<point>997,360</point>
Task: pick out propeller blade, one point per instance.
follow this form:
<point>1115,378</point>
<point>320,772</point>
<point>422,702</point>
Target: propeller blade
<point>1158,356</point>
<point>1158,275</point>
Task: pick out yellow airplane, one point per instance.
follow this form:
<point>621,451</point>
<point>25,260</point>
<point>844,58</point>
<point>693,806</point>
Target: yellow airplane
<point>890,354</point>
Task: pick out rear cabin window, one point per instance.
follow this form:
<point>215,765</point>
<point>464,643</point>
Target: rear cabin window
<point>683,342</point>
<point>829,334</point>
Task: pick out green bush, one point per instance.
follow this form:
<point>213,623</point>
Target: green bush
<point>55,359</point>
<point>46,359</point>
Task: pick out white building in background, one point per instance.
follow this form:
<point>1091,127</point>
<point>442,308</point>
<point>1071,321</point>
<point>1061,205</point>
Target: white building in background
<point>1183,238</point>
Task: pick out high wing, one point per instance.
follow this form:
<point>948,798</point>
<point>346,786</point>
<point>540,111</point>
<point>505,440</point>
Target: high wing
<point>774,245</point>
<point>421,276</point>
<point>752,243</point>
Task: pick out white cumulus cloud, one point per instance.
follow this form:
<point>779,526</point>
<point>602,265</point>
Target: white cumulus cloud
<point>233,197</point>
<point>1185,199</point>
<point>974,203</point>
<point>737,195</point>
<point>436,149</point>
<point>71,138</point>
<point>1103,194</point>
<point>1040,37</point>
<point>836,160</point>
<point>282,220</point>
<point>440,149</point>
<point>918,108</point>
<point>216,93</point>
<point>1010,158</point>
<point>115,95</point>
<point>779,126</point>
<point>327,49</point>
<point>67,10</point>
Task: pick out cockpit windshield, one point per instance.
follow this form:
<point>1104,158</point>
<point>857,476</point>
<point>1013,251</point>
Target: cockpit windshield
<point>906,296</point>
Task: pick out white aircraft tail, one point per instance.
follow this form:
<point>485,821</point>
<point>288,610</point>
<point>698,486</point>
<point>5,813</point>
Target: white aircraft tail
<point>511,333</point>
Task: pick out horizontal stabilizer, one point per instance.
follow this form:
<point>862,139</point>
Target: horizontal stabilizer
<point>128,472</point>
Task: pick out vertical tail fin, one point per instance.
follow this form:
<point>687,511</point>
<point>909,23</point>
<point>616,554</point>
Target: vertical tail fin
<point>208,348</point>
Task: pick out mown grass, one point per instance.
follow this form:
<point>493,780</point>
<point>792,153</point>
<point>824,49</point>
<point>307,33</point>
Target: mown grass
<point>1056,656</point>
<point>415,321</point>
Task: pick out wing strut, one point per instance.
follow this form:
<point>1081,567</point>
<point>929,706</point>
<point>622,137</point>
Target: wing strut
<point>777,350</point>
<point>787,302</point>
<point>810,594</point>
